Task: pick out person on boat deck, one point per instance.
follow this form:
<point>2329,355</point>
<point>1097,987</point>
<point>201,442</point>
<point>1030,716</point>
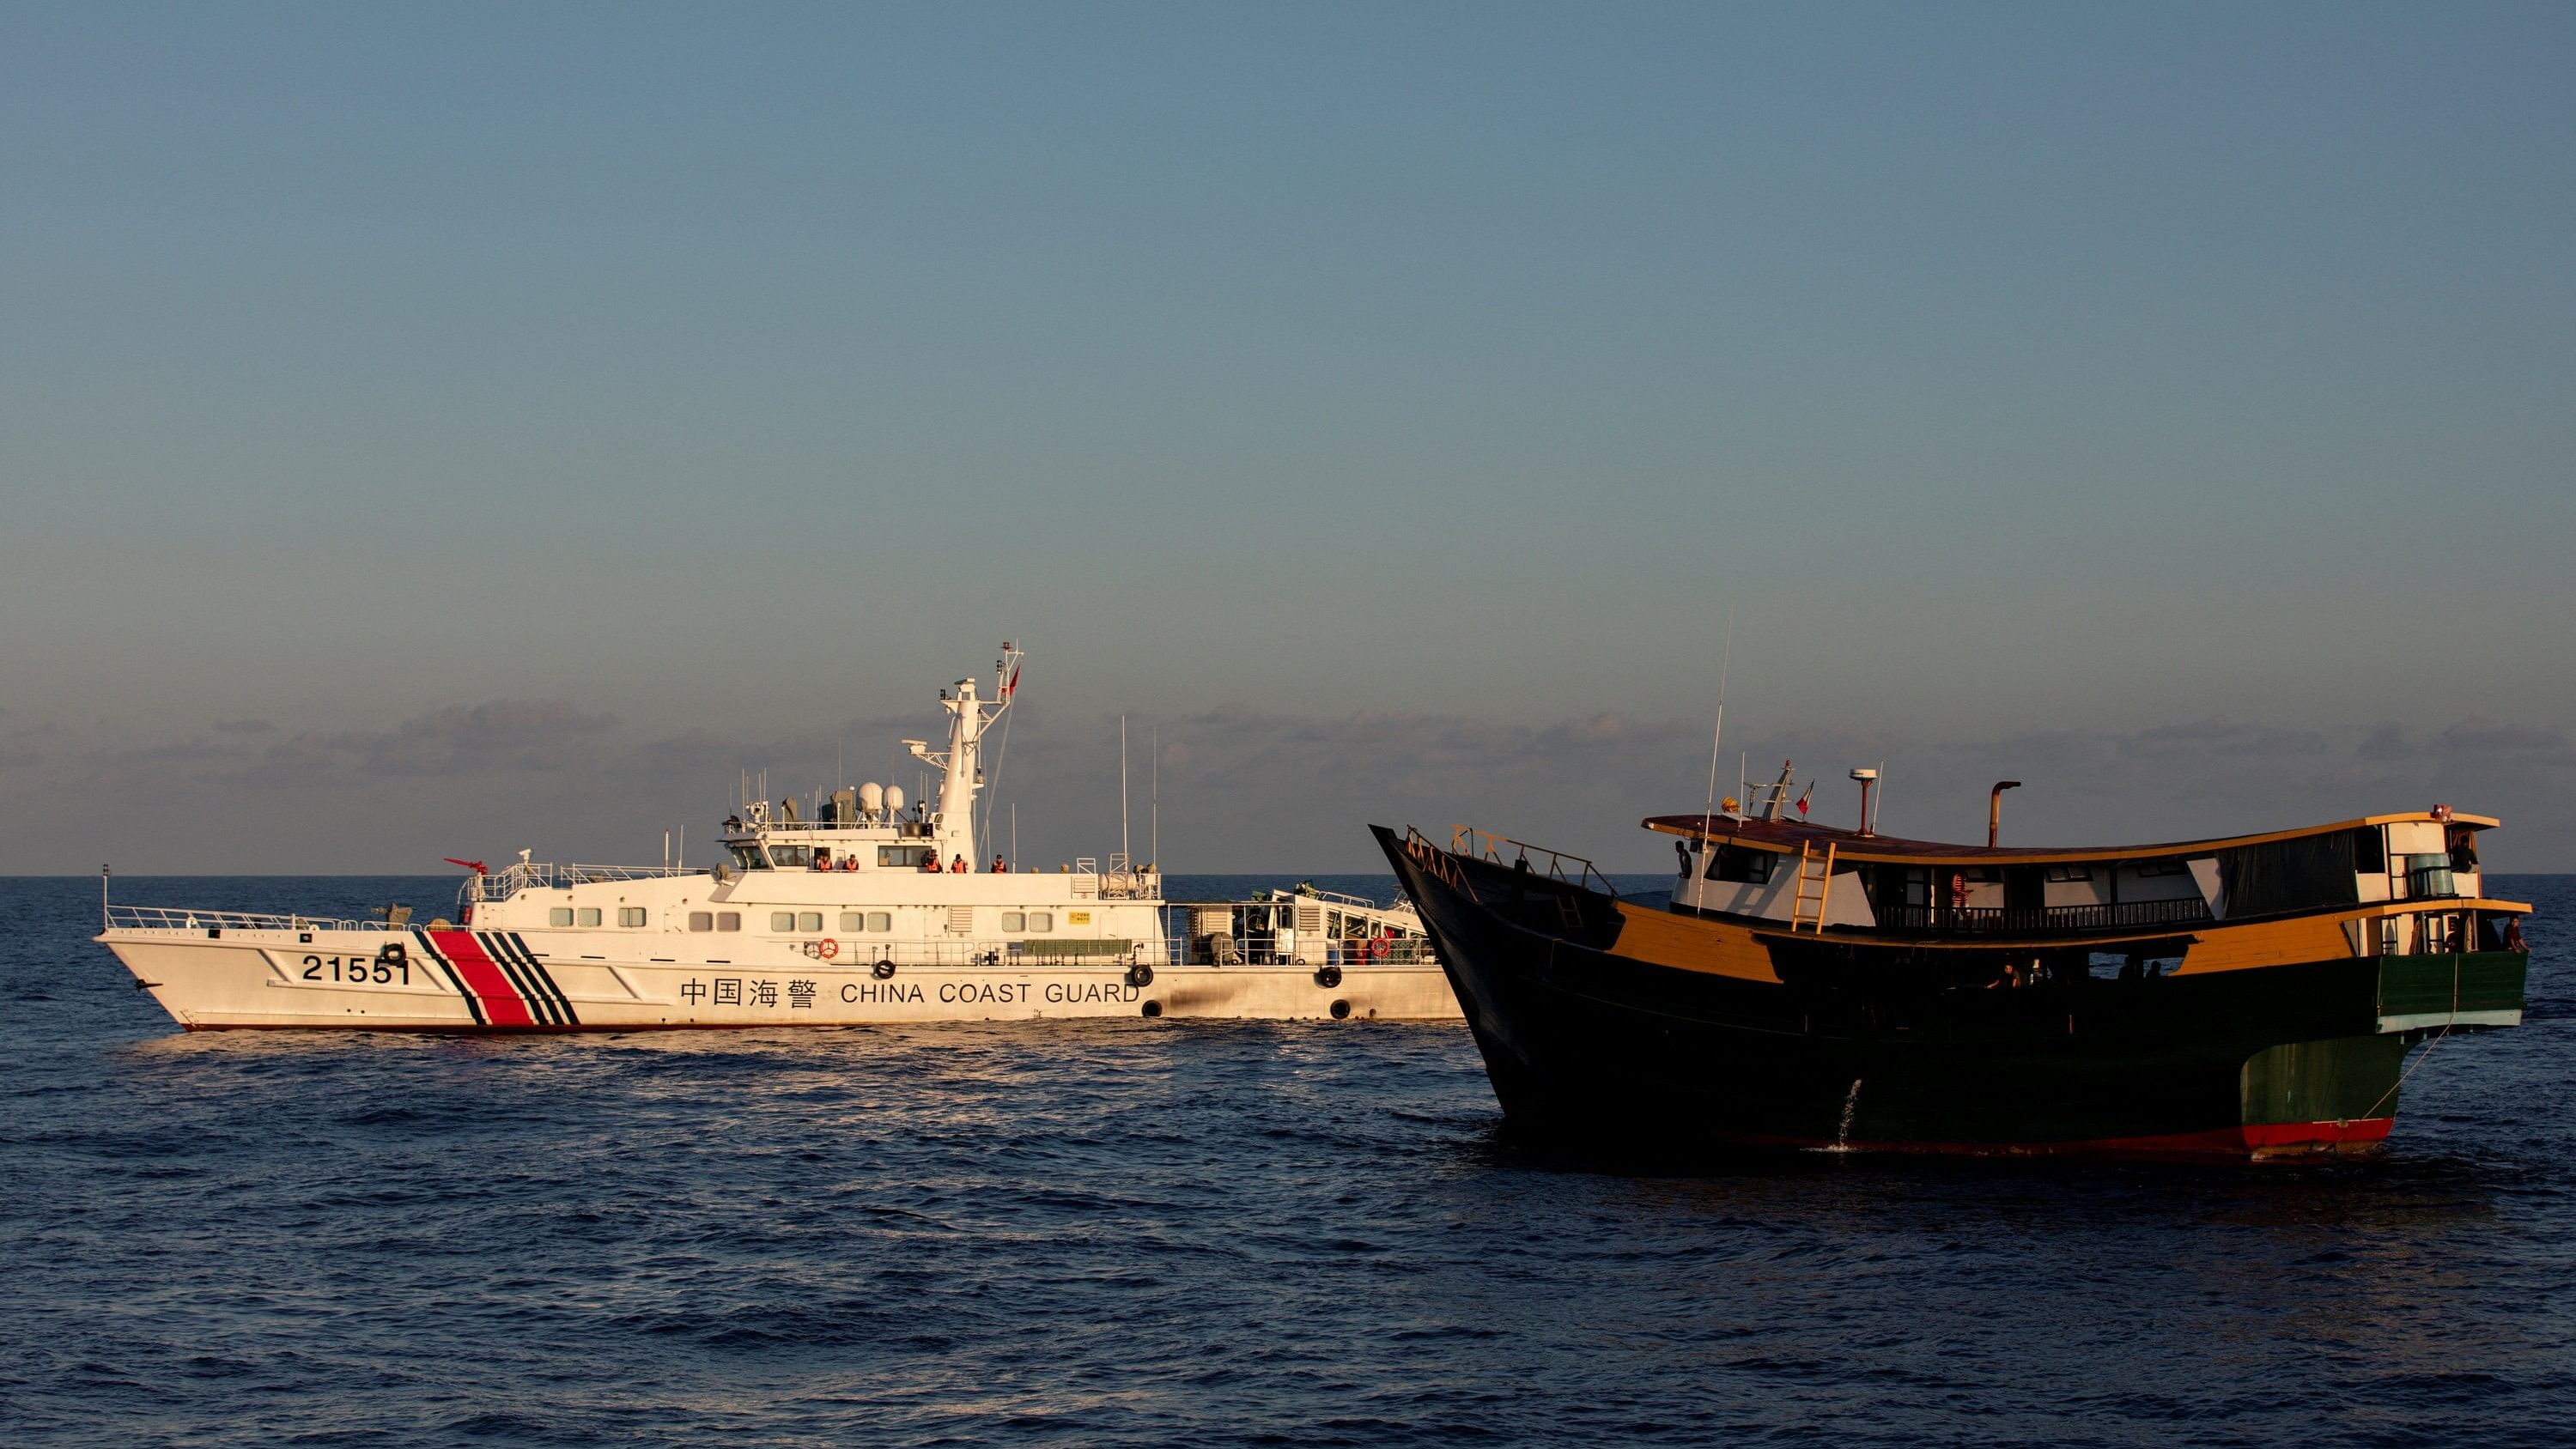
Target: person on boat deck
<point>850,861</point>
<point>822,860</point>
<point>930,865</point>
<point>1000,867</point>
<point>733,825</point>
<point>957,865</point>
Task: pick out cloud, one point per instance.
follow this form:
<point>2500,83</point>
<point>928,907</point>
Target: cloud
<point>242,727</point>
<point>2480,737</point>
<point>501,737</point>
<point>1239,789</point>
<point>2219,738</point>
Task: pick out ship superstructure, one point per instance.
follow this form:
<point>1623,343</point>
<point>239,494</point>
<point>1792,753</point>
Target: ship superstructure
<point>856,906</point>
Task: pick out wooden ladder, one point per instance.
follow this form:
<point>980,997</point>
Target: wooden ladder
<point>1822,880</point>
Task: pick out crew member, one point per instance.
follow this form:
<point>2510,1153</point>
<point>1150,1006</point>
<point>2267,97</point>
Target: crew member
<point>1000,866</point>
<point>957,864</point>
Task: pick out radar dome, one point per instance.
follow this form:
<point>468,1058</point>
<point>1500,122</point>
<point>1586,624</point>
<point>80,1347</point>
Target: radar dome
<point>894,797</point>
<point>871,798</point>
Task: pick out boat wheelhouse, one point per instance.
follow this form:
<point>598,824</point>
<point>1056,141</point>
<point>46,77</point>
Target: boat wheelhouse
<point>1808,985</point>
<point>851,906</point>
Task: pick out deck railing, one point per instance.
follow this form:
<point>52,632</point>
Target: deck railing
<point>2007,920</point>
<point>579,874</point>
<point>122,917</point>
<point>1484,845</point>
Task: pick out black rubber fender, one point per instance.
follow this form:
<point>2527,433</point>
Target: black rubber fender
<point>1140,975</point>
<point>883,971</point>
<point>1328,977</point>
<point>1341,1009</point>
<point>1153,1008</point>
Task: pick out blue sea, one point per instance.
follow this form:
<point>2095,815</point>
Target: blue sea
<point>1159,1232</point>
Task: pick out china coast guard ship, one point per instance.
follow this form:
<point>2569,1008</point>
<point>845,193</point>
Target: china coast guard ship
<point>867,912</point>
<point>1808,986</point>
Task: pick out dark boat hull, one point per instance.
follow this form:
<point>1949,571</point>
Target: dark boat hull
<point>1592,1048</point>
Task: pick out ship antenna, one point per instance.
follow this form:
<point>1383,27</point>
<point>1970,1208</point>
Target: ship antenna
<point>1154,793</point>
<point>103,922</point>
<point>1008,692</point>
<point>1122,785</point>
<point>1708,815</point>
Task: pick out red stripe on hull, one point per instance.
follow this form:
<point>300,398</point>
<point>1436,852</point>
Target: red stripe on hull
<point>502,1004</point>
<point>2253,1140</point>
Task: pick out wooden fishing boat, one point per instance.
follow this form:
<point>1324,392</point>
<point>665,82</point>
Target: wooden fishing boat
<point>1810,986</point>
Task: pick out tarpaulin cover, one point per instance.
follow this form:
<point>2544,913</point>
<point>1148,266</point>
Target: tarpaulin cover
<point>2298,874</point>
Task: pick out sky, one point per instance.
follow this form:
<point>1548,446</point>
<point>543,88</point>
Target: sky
<point>445,430</point>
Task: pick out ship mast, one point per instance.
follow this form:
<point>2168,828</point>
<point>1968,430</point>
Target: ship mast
<point>961,765</point>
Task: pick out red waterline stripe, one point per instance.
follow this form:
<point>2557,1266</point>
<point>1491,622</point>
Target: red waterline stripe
<point>502,1004</point>
<point>2247,1140</point>
<point>2265,1139</point>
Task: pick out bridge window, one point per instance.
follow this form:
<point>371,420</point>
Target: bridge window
<point>588,915</point>
<point>749,857</point>
<point>559,916</point>
<point>2063,873</point>
<point>630,915</point>
<point>793,857</point>
<point>1735,863</point>
<point>904,857</point>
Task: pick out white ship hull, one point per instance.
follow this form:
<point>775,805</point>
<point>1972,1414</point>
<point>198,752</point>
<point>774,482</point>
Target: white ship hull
<point>521,981</point>
<point>853,910</point>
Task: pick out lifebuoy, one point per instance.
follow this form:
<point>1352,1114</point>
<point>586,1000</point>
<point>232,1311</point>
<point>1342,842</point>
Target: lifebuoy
<point>883,971</point>
<point>827,948</point>
<point>1328,977</point>
<point>1377,948</point>
<point>1140,975</point>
